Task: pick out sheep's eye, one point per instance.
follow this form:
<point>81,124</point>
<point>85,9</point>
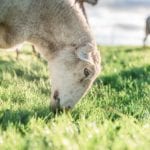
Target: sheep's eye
<point>86,72</point>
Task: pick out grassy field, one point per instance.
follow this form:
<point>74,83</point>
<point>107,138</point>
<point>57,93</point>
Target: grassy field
<point>115,115</point>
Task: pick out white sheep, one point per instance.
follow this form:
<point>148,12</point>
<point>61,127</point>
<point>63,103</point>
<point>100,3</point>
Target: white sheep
<point>147,30</point>
<point>60,32</point>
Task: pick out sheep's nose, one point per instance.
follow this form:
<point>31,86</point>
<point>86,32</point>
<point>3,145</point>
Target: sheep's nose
<point>55,102</point>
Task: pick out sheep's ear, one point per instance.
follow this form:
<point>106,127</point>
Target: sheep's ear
<point>85,54</point>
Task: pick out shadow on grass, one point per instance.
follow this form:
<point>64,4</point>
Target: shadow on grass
<point>140,74</point>
<point>133,83</point>
<point>23,116</point>
<point>6,64</point>
<point>138,49</point>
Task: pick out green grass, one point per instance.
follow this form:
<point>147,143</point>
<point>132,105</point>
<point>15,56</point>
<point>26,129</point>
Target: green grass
<point>115,115</point>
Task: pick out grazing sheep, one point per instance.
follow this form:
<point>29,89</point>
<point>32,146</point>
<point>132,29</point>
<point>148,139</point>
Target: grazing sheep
<point>59,31</point>
<point>147,30</point>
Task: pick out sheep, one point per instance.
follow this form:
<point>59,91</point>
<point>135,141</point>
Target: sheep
<point>60,32</point>
<point>147,30</point>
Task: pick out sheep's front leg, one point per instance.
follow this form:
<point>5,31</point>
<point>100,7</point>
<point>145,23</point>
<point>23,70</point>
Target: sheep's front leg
<point>35,52</point>
<point>144,41</point>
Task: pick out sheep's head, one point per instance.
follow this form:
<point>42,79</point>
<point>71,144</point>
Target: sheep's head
<point>73,71</point>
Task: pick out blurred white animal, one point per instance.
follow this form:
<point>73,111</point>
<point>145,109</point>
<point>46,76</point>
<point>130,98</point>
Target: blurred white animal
<point>147,30</point>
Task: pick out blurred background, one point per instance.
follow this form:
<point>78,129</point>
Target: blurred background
<point>119,22</point>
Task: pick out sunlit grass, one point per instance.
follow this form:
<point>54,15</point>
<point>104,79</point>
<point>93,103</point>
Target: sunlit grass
<point>114,115</point>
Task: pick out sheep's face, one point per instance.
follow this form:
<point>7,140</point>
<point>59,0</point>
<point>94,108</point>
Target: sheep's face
<point>72,74</point>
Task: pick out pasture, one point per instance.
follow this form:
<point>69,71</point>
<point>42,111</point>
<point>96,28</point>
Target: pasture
<point>115,114</point>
